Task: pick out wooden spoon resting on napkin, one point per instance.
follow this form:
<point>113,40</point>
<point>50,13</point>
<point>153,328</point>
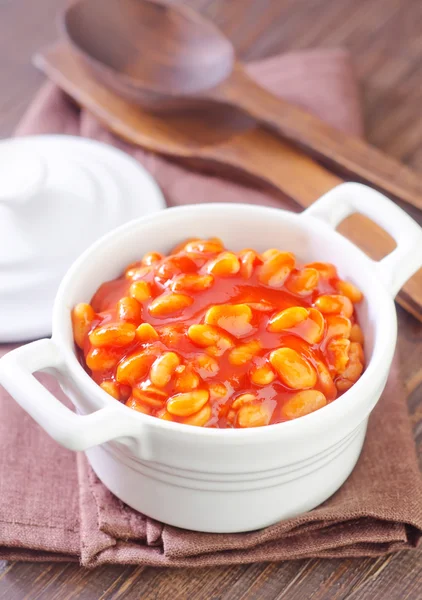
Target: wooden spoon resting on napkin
<point>224,138</point>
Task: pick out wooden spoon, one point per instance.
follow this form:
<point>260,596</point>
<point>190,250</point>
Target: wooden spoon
<point>165,57</point>
<point>245,147</point>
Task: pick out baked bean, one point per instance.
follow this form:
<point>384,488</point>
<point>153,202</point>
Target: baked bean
<point>169,304</point>
<point>276,269</point>
<point>243,353</point>
<point>270,253</point>
<point>224,265</point>
<point>200,418</point>
<point>171,335</point>
<point>204,247</point>
<point>150,396</point>
<point>103,359</point>
<point>186,404</point>
<point>136,404</point>
<point>326,270</point>
<point>338,326</point>
<point>356,351</point>
<point>302,403</point>
<point>208,335</point>
<point>113,334</point>
<point>243,399</point>
<point>111,388</point>
<point>292,368</point>
<point>334,304</point>
<point>206,366</point>
<point>217,390</point>
<point>261,306</point>
<point>186,380</point>
<point>287,318</point>
<point>231,416</point>
<point>253,415</point>
<point>129,309</point>
<point>191,282</point>
<point>310,320</point>
<point>125,391</point>
<point>233,318</point>
<point>248,260</point>
<point>172,266</point>
<point>325,380</point>
<point>338,353</point>
<point>164,415</point>
<point>303,281</point>
<point>262,375</point>
<point>351,291</point>
<point>214,351</point>
<point>163,368</point>
<point>354,367</point>
<point>140,290</point>
<point>151,258</point>
<point>82,317</point>
<point>134,367</point>
<point>137,271</point>
<point>314,327</point>
<point>343,384</point>
<point>356,334</point>
<point>146,333</point>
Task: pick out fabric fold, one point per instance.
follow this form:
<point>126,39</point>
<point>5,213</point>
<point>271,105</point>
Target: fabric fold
<point>377,510</point>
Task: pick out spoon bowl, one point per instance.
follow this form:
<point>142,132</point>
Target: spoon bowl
<point>166,56</point>
<point>148,52</point>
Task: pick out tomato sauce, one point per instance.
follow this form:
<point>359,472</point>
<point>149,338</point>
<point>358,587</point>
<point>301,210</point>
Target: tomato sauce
<point>237,310</point>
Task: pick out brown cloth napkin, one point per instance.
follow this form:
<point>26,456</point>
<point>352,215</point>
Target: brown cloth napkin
<point>52,506</point>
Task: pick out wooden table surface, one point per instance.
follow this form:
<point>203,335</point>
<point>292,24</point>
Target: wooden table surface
<point>385,39</point>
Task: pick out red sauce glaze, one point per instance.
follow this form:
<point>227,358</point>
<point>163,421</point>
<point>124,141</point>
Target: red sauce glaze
<point>265,301</point>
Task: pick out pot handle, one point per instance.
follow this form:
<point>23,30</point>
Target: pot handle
<point>348,198</point>
<point>73,431</point>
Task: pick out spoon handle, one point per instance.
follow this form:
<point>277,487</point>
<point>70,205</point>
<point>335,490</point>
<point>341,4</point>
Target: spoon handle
<point>350,154</point>
<point>256,152</point>
<point>291,172</point>
<point>261,154</point>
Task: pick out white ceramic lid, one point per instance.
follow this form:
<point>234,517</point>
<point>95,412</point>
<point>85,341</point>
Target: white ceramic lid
<point>58,194</point>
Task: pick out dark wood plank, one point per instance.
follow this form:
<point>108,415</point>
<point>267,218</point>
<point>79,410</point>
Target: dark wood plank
<point>32,24</point>
<point>384,38</point>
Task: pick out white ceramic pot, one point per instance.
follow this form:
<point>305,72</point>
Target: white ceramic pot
<point>209,479</point>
